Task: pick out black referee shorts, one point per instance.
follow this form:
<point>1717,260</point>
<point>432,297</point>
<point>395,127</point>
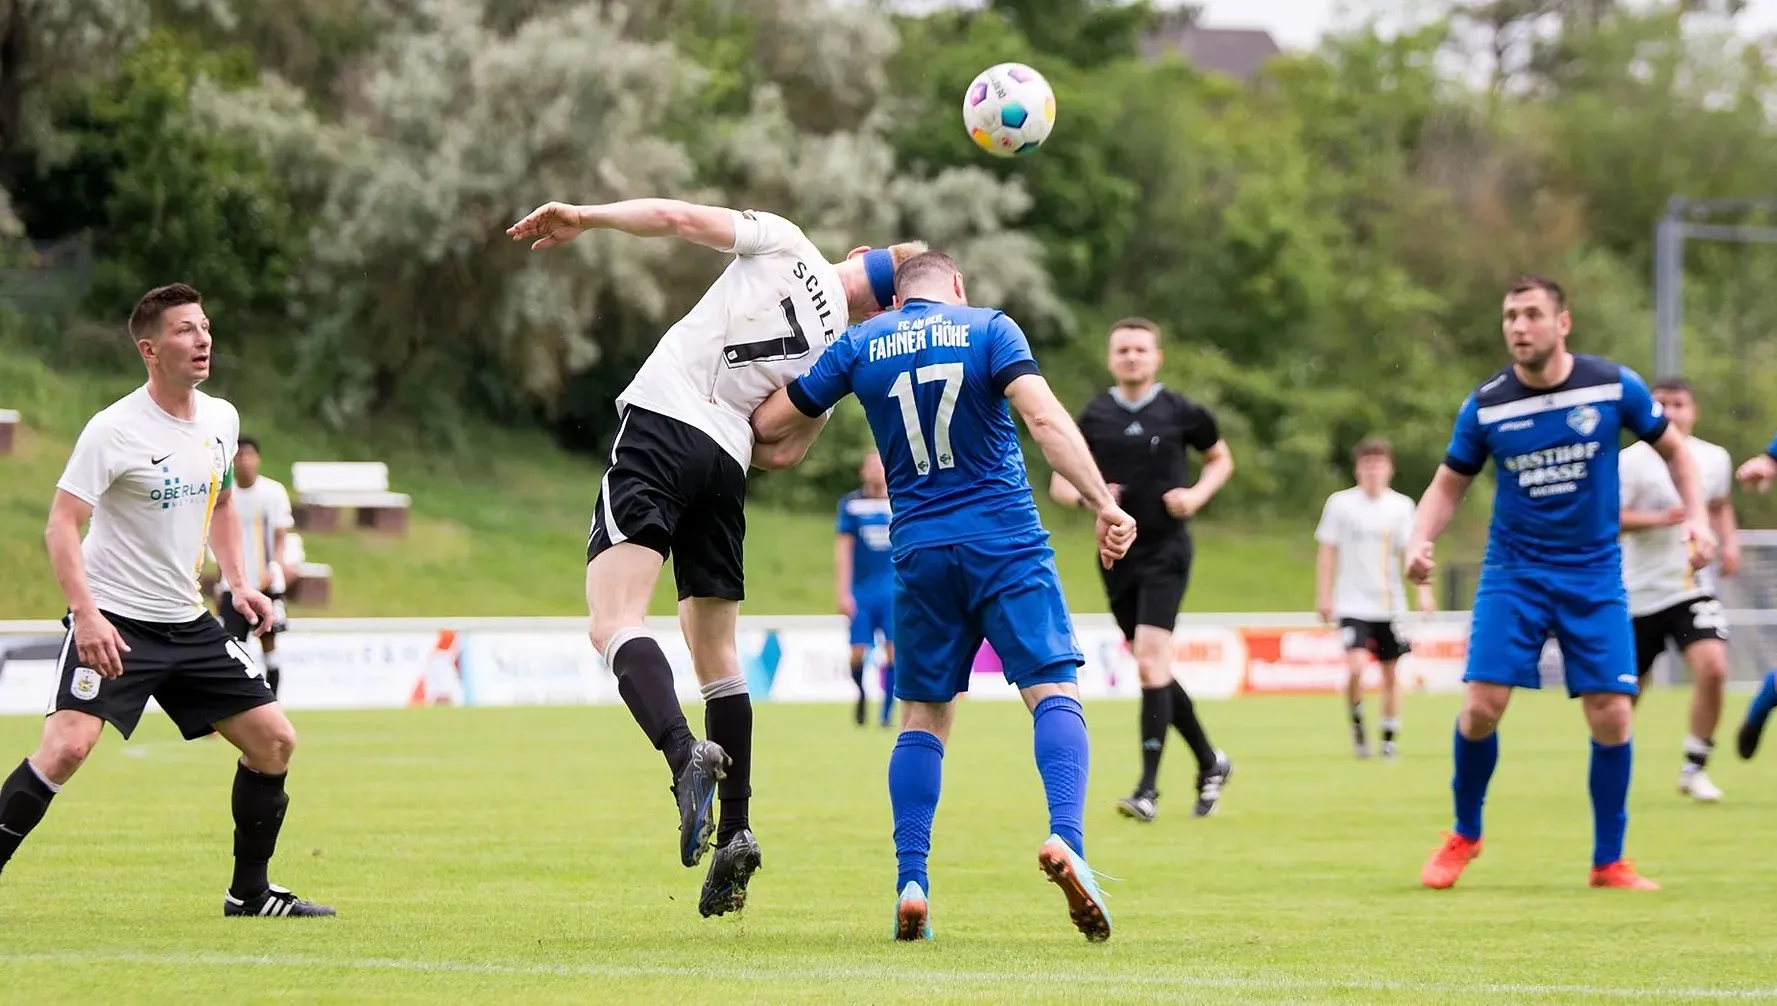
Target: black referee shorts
<point>1146,586</point>
<point>673,489</point>
<point>194,670</point>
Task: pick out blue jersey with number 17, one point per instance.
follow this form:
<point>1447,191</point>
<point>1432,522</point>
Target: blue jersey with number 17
<point>932,379</point>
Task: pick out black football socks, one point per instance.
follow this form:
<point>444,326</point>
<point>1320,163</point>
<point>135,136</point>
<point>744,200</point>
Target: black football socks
<point>24,798</point>
<point>728,720</point>
<point>1184,717</point>
<point>645,680</point>
<point>1156,717</point>
<point>259,805</point>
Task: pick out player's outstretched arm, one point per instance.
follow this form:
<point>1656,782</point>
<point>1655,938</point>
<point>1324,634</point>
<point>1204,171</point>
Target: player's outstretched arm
<point>1066,451</point>
<point>782,434</point>
<point>1689,482</point>
<point>558,223</point>
<point>1436,508</point>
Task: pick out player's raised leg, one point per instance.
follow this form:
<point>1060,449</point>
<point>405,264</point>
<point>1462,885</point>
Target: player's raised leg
<point>709,625</point>
<point>619,580</point>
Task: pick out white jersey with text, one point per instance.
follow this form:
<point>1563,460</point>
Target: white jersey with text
<point>264,508</point>
<point>1371,535</point>
<point>1656,561</point>
<point>152,481</point>
<point>763,321</point>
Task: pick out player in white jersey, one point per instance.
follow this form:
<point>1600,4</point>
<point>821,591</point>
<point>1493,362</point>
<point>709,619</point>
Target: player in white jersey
<point>266,519</point>
<point>1363,536</point>
<point>1668,601</point>
<point>678,478</point>
<point>153,474</point>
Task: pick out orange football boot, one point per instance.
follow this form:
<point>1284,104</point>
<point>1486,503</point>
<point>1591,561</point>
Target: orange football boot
<point>1445,865</point>
<point>1621,874</point>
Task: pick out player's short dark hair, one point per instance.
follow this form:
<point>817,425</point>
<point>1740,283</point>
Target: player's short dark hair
<point>926,263</point>
<point>1372,447</point>
<point>245,442</point>
<point>1675,384</point>
<point>1529,281</point>
<point>1137,323</point>
<point>145,317</point>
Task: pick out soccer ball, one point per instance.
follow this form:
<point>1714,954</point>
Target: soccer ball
<point>1009,110</point>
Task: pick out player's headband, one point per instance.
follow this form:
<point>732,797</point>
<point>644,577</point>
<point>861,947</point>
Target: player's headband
<point>879,267</point>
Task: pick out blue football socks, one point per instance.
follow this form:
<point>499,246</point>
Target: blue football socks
<point>1474,769</point>
<point>1063,755</point>
<point>1609,785</point>
<point>915,776</point>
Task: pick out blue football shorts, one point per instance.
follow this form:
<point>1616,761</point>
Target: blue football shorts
<point>1587,611</point>
<point>948,598</point>
<point>875,613</point>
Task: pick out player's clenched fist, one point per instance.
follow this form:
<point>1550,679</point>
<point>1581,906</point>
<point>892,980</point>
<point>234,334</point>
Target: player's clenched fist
<point>1420,564</point>
<point>1116,532</point>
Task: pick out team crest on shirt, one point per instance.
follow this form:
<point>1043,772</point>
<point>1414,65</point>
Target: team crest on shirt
<point>1583,419</point>
<point>85,685</point>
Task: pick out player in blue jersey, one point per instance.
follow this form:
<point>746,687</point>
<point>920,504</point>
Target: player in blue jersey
<point>1757,474</point>
<point>971,557</point>
<point>1552,423</point>
<point>864,579</point>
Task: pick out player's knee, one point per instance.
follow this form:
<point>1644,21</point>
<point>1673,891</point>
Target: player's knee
<point>1609,716</point>
<point>1711,667</point>
<point>66,745</point>
<point>605,631</point>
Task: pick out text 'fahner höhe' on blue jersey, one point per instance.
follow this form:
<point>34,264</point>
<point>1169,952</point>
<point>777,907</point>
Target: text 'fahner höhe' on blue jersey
<point>932,379</point>
<point>1555,452</point>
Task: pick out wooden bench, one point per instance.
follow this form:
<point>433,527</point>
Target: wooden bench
<point>9,421</point>
<point>324,488</point>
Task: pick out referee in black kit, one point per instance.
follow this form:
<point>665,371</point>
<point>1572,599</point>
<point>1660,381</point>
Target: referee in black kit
<point>1139,432</point>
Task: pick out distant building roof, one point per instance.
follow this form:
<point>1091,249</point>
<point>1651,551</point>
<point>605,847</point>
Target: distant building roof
<point>1237,52</point>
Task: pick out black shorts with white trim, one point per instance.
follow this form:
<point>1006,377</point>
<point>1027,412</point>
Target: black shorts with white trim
<point>1685,624</point>
<point>673,489</point>
<point>198,674</point>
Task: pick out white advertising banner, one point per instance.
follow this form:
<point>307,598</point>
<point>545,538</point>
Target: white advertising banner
<point>390,663</point>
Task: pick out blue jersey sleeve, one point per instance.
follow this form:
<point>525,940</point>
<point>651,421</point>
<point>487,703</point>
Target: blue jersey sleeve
<point>1467,453</point>
<point>1772,450</point>
<point>1008,353</point>
<point>1641,412</point>
<point>845,523</point>
<point>827,381</point>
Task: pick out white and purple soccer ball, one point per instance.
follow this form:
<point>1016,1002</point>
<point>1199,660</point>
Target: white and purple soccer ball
<point>1009,110</point>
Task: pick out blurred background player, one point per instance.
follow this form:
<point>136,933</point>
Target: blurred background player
<point>1757,473</point>
<point>266,520</point>
<point>971,557</point>
<point>677,486</point>
<point>1669,600</point>
<point>1363,536</point>
<point>1553,565</point>
<point>1139,432</point>
<point>864,579</point>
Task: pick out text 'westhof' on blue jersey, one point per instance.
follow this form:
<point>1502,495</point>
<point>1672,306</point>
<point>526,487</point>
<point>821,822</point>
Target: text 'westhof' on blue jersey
<point>932,379</point>
<point>1555,452</point>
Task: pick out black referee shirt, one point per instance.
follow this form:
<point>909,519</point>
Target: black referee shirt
<point>1141,447</point>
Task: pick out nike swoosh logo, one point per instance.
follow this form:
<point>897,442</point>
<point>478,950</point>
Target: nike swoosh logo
<point>158,460</point>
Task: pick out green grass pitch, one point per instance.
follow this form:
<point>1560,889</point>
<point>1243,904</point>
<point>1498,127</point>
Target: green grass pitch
<point>528,855</point>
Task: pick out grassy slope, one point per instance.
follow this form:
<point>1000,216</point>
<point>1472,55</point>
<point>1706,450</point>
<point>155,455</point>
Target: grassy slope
<point>499,528</point>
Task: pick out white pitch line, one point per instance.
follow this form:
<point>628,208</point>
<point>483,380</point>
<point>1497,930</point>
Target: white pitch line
<point>848,973</point>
